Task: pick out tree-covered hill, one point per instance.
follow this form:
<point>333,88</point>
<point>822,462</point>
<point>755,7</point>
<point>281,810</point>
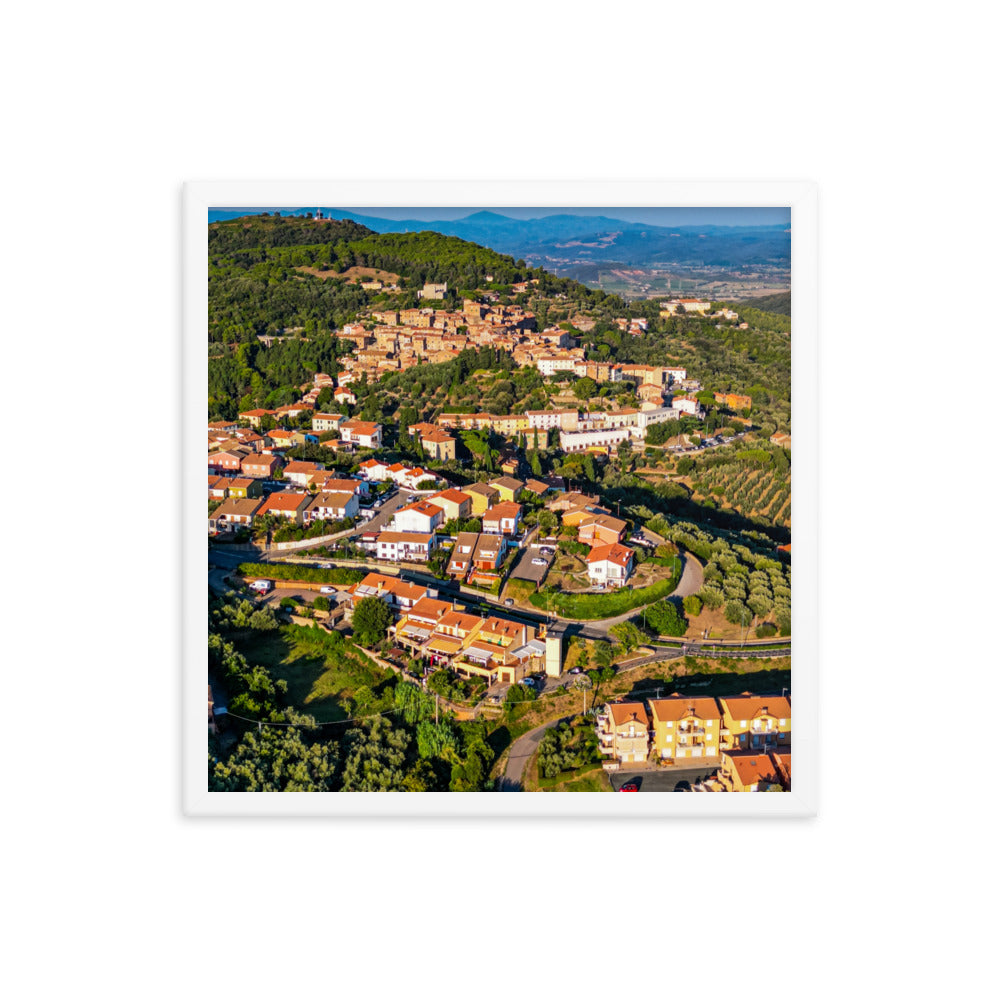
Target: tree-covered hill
<point>253,231</point>
<point>779,303</point>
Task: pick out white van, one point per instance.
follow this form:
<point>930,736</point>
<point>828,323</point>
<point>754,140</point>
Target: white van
<point>261,586</point>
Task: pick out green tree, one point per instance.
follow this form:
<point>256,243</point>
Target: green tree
<point>375,757</point>
<point>692,605</point>
<point>664,618</point>
<point>584,388</point>
<point>371,621</point>
<point>277,759</point>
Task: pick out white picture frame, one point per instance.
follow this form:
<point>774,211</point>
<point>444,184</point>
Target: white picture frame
<point>800,196</point>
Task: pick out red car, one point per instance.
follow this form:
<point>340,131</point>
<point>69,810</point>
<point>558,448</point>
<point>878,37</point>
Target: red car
<point>629,786</point>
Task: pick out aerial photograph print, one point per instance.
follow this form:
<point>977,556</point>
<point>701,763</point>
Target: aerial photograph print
<point>499,499</point>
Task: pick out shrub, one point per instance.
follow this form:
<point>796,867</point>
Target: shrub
<point>766,630</point>
<point>692,605</point>
<point>321,603</point>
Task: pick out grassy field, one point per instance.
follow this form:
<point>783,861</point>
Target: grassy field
<point>589,778</point>
<point>320,673</point>
<point>585,607</point>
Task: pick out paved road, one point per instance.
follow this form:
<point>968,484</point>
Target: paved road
<point>381,520</point>
<point>692,578</point>
<point>520,753</point>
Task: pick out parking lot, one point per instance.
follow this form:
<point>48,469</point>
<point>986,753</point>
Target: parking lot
<point>665,779</point>
<point>526,568</point>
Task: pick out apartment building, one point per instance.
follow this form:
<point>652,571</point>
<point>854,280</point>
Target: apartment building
<point>406,546</point>
<point>685,727</point>
<point>623,732</point>
<point>750,722</point>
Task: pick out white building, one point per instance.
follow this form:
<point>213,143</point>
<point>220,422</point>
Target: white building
<point>571,441</point>
<point>421,517</point>
<point>405,545</point>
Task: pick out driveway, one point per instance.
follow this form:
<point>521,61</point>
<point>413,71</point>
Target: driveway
<point>692,579</point>
<point>520,752</point>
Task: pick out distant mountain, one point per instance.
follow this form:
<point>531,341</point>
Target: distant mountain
<point>562,240</point>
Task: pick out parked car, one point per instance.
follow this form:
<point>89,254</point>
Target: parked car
<point>538,562</point>
<point>577,670</point>
<point>509,602</point>
<point>327,590</point>
<point>629,786</point>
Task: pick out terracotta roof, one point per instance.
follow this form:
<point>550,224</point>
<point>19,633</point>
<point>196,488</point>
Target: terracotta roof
<point>327,498</point>
<point>747,706</point>
<point>629,711</point>
<point>404,536</point>
<point>482,489</point>
<point>455,496</point>
<point>423,507</point>
<point>240,484</point>
<point>506,509</point>
<point>429,608</point>
<point>676,707</point>
<point>284,501</point>
<point>616,553</point>
<point>296,467</point>
<point>751,768</point>
<point>363,427</point>
<point>508,483</point>
<point>238,506</point>
<point>456,619</point>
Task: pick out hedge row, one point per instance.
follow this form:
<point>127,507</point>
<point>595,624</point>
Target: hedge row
<point>283,571</point>
<point>587,607</point>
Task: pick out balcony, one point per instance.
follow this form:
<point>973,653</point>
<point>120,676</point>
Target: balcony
<point>691,731</point>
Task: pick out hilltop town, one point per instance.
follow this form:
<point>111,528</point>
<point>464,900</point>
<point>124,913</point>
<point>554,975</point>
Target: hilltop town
<point>612,518</point>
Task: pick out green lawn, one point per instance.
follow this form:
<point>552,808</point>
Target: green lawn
<point>589,778</point>
<point>320,672</point>
<point>585,607</point>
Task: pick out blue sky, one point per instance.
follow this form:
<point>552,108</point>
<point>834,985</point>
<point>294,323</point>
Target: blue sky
<point>656,216</point>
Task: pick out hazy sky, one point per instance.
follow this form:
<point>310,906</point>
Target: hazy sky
<point>657,216</point>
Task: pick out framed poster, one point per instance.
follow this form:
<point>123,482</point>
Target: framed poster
<point>500,498</point>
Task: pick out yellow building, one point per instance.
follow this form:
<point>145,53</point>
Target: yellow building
<point>685,727</point>
<point>623,732</point>
<point>483,497</point>
<point>757,723</point>
<point>749,772</point>
<point>507,487</point>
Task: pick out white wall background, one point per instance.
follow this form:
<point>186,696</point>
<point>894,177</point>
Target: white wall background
<point>110,107</point>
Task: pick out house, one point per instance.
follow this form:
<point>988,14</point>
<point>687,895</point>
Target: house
<point>749,772</point>
<point>374,471</point>
<point>610,565</point>
<point>412,478</point>
<point>503,519</point>
<point>327,421</point>
<point>245,487</point>
<point>574,517</point>
<point>752,722</point>
<point>362,433</point>
<point>227,427</point>
<point>623,732</point>
<point>260,466</point>
<point>405,545</point>
<point>454,503</point>
<point>734,400</point>
<point>483,497</point>
<point>601,529</point>
<point>288,505</point>
<point>450,635</point>
<point>227,461</point>
<point>395,592</point>
<point>438,445</point>
<point>332,506</point>
<point>432,290</point>
<point>218,487</point>
<point>281,438</point>
<point>344,395</point>
<point>254,417</point>
<point>685,727</point>
<point>461,553</point>
<point>234,513</point>
<point>536,487</point>
<point>688,404</point>
<point>487,558</point>
<point>507,487</point>
<point>421,516</point>
<point>301,473</point>
<point>782,439</point>
<point>358,486</point>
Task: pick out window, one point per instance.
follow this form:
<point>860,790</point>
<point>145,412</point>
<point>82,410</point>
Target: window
<point>709,723</point>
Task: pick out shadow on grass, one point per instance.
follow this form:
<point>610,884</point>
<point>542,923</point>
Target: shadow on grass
<point>702,685</point>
